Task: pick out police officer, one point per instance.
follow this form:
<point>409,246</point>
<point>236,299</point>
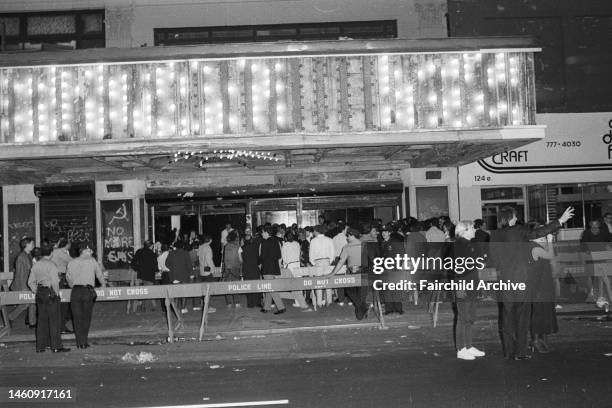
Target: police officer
<point>81,275</point>
<point>44,282</point>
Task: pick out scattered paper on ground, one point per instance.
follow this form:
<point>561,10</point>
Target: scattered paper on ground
<point>143,357</point>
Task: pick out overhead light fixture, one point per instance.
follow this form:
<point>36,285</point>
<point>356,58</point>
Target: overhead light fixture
<point>201,158</point>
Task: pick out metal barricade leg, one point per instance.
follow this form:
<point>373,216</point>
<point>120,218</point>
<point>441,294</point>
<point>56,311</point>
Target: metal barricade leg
<point>378,309</point>
<point>606,283</point>
<point>6,330</point>
<point>204,322</point>
<point>169,317</point>
<point>179,324</point>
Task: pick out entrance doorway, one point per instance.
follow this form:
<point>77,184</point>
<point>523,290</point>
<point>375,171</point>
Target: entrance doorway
<point>213,224</point>
<point>490,213</point>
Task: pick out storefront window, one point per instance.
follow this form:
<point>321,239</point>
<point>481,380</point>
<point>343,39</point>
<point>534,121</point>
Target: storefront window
<point>431,202</point>
<point>538,203</point>
<point>502,193</point>
<point>491,212</point>
<point>494,199</point>
<point>276,217</point>
<point>590,201</point>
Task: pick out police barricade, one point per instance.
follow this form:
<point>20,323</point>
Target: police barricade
<point>206,290</point>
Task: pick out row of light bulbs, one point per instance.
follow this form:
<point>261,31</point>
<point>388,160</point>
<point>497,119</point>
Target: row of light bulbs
<point>202,157</point>
<point>169,122</point>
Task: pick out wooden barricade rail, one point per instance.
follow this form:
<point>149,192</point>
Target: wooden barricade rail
<point>206,290</point>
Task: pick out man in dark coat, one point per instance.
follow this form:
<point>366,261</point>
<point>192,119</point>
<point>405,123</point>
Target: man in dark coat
<point>181,268</point>
<point>509,254</point>
<point>481,238</point>
<point>370,250</point>
<point>145,265</point>
<point>391,246</point>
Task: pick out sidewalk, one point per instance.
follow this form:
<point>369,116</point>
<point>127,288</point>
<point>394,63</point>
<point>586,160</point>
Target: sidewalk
<point>110,320</point>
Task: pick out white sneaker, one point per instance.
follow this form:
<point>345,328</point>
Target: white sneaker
<point>475,352</point>
<point>340,303</point>
<point>558,307</point>
<point>238,306</point>
<point>196,308</point>
<point>464,354</point>
<point>183,311</point>
<point>211,310</point>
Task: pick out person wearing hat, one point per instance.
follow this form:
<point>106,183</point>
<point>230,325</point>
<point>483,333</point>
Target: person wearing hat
<point>44,282</point>
<point>81,274</point>
<point>60,257</point>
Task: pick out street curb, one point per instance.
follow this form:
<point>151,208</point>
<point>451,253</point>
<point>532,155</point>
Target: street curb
<point>251,332</point>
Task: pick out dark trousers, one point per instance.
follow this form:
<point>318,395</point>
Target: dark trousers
<point>341,294</point>
<point>466,314</point>
<point>357,295</point>
<point>393,301</point>
<point>81,302</point>
<point>65,307</point>
<point>515,327</point>
<point>66,314</point>
<point>48,328</point>
<point>233,274</point>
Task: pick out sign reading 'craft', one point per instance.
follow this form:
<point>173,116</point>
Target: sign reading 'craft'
<point>577,147</point>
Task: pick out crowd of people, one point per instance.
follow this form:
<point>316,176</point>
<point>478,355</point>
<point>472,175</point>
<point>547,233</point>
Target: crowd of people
<point>263,253</point>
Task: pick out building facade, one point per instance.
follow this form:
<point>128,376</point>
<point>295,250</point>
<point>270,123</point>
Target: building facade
<point>573,165</point>
<point>218,123</point>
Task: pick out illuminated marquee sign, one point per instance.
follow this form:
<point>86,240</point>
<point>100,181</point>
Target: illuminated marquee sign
<point>316,94</point>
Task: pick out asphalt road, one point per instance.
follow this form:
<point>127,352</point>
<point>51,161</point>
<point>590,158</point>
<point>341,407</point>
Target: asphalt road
<point>576,374</point>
